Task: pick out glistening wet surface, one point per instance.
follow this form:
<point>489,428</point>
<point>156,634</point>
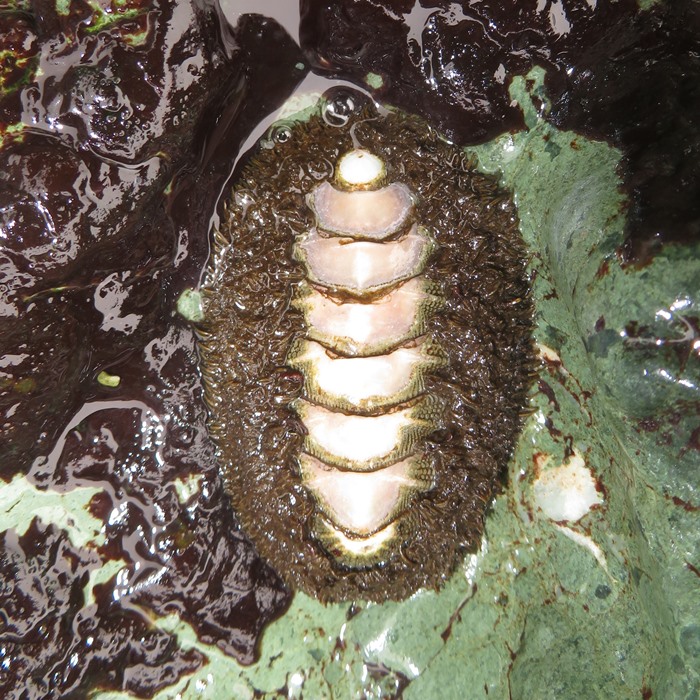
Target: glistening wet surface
<point>110,180</point>
<point>122,565</point>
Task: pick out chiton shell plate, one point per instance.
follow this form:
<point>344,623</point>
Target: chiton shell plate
<point>366,351</point>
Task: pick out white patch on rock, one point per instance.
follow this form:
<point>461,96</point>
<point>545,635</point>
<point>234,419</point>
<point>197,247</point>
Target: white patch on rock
<point>550,357</point>
<point>567,492</point>
<point>587,542</point>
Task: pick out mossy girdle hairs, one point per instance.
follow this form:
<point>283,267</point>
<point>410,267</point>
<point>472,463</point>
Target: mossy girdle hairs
<point>261,347</point>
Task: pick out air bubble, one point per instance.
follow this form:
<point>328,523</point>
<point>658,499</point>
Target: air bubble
<point>339,110</point>
<point>282,134</point>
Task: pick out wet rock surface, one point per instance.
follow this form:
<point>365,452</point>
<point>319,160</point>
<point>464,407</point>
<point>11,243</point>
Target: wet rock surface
<point>106,192</point>
<point>76,646</point>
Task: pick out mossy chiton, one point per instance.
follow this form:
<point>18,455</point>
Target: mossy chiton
<point>366,351</point>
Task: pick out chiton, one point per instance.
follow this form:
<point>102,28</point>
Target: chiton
<point>366,350</point>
